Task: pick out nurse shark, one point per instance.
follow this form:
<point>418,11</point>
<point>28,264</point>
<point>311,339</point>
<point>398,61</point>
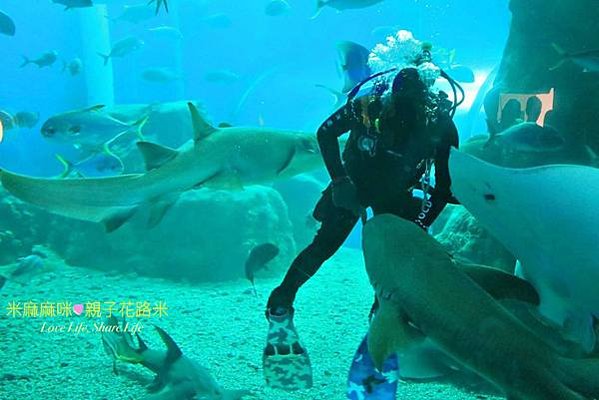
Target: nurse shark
<point>218,158</point>
<point>422,292</point>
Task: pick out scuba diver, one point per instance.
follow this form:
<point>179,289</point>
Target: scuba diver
<point>395,139</point>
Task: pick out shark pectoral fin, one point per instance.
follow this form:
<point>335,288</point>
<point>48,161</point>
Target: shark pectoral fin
<point>425,361</point>
<point>201,128</point>
<point>159,208</point>
<point>173,352</point>
<point>116,220</point>
<point>287,162</point>
<point>155,155</point>
<point>229,179</point>
<point>389,332</point>
<point>500,284</point>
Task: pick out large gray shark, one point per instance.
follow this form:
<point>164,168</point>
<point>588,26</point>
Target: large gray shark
<point>416,280</point>
<point>220,158</point>
<point>548,217</point>
<point>177,377</point>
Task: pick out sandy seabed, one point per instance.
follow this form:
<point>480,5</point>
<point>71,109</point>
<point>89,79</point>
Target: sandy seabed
<point>222,326</point>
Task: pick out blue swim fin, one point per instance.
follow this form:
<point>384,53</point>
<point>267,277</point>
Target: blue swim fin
<point>365,382</point>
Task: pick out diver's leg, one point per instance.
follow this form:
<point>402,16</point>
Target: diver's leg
<point>337,224</point>
<point>285,361</point>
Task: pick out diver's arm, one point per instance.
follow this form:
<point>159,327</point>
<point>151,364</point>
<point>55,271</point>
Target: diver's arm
<point>441,194</point>
<point>328,141</point>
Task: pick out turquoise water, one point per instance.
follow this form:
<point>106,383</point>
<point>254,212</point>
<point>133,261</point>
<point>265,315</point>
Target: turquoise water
<point>226,98</point>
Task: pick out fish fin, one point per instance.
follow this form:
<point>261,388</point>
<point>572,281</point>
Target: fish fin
<point>159,209</point>
<point>224,179</point>
<point>389,333</point>
<point>116,220</point>
<point>68,167</point>
<point>93,108</point>
<point>500,284</point>
<point>558,49</point>
<point>138,125</point>
<point>561,53</point>
<point>319,5</point>
<point>26,61</point>
<point>142,346</point>
<point>106,150</point>
<point>340,98</point>
<point>173,352</point>
<point>155,155</point>
<point>105,57</point>
<point>287,162</point>
<point>201,128</point>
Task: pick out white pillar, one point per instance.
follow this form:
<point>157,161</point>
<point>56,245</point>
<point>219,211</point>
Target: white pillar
<point>95,37</point>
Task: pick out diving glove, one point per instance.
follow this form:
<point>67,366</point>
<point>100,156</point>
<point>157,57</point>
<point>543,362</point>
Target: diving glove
<point>345,195</point>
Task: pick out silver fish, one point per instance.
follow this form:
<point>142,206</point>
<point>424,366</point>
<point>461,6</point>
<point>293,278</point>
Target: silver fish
<point>26,119</point>
<point>341,5</point>
<point>74,3</point>
<point>91,130</point>
<point>25,268</point>
<point>122,48</point>
<point>160,75</point>
<point>169,31</point>
<point>276,8</point>
<point>135,13</point>
<point>74,66</point>
<point>45,60</point>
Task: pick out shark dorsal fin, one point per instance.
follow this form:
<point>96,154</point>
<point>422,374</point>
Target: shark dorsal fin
<point>155,155</point>
<point>142,345</point>
<point>173,352</point>
<point>201,128</point>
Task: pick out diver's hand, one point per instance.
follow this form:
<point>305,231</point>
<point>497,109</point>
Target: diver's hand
<point>345,195</point>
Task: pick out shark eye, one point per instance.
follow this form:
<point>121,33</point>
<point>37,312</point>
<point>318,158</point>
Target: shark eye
<point>49,131</point>
<point>75,130</point>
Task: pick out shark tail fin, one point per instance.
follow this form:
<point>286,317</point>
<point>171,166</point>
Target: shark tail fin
<point>26,61</point>
<point>563,56</point>
<point>105,57</point>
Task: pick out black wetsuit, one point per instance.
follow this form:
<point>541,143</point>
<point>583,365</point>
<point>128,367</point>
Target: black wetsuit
<point>384,178</point>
